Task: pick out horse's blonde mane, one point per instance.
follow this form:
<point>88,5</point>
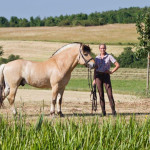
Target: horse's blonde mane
<point>64,48</point>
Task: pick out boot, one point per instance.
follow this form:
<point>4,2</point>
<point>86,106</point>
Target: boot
<point>114,113</point>
<point>103,113</point>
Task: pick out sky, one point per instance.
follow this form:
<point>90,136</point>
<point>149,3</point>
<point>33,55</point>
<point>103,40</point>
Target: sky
<point>46,8</point>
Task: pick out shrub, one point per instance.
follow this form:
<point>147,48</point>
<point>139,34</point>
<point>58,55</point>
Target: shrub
<point>128,59</point>
<point>10,57</point>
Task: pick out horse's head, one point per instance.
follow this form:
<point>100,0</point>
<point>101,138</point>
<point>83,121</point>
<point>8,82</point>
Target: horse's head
<point>85,57</point>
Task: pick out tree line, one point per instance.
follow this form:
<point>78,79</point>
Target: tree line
<point>124,15</point>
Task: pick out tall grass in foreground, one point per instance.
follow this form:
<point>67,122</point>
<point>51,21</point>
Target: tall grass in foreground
<point>79,133</point>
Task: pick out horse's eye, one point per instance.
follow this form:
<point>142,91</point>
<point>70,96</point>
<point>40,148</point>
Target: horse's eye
<point>85,54</point>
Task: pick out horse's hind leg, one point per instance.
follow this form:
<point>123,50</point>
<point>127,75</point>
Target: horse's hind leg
<point>6,91</point>
<point>3,94</point>
<point>53,102</point>
<point>59,102</point>
<point>11,99</point>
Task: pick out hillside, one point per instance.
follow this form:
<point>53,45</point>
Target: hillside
<point>110,34</point>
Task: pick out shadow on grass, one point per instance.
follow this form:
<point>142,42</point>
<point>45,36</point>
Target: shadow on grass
<point>90,115</point>
<point>108,114</point>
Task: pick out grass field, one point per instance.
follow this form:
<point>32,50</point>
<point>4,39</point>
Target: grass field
<point>76,134</point>
<point>111,34</point>
<point>136,87</point>
<point>133,87</point>
<point>121,73</point>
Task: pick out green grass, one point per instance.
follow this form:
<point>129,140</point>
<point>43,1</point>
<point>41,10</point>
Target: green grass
<point>119,86</point>
<point>135,87</point>
<point>79,133</point>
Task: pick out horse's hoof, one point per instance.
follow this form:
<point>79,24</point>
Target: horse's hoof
<point>60,114</point>
<point>52,114</point>
<point>1,105</point>
<point>15,114</point>
<point>114,113</point>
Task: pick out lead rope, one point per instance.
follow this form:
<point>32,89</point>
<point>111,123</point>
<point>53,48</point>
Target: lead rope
<point>93,96</point>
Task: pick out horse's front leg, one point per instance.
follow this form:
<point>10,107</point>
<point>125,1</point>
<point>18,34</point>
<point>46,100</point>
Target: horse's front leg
<point>59,102</point>
<point>53,102</point>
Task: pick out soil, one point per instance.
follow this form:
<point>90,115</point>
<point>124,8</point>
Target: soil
<point>34,102</point>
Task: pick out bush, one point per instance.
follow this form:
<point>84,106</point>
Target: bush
<point>1,51</point>
<point>13,57</point>
<point>10,57</point>
<point>127,59</point>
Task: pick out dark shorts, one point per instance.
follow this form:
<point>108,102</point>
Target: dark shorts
<point>104,77</point>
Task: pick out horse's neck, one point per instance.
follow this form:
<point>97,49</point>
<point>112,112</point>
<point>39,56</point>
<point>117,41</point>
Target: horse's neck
<point>67,60</point>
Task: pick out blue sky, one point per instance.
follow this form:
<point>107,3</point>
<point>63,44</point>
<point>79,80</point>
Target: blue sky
<point>46,8</point>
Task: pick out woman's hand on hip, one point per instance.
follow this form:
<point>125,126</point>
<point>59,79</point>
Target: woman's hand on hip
<point>109,72</point>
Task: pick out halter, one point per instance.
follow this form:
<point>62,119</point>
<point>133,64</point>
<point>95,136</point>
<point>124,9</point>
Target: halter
<point>86,61</point>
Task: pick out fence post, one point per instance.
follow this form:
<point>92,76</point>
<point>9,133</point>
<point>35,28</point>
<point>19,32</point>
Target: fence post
<point>148,61</point>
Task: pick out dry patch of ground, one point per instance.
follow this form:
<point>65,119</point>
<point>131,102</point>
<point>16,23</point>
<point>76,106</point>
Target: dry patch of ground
<point>40,51</point>
<point>111,33</point>
<point>30,50</point>
<point>33,102</point>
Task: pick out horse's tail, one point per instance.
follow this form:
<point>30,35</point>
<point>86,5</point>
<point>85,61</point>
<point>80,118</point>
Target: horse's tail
<point>2,84</point>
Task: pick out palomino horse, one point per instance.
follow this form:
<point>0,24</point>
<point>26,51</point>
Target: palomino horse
<point>54,73</point>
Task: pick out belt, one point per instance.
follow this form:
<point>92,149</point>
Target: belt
<point>100,72</point>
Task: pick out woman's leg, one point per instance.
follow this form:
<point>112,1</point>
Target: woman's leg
<point>100,88</point>
<point>108,88</point>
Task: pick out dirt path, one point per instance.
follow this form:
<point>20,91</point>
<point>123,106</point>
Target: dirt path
<point>32,102</point>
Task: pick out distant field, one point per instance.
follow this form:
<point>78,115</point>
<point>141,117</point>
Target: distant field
<point>121,74</point>
<point>40,50</point>
<point>111,33</point>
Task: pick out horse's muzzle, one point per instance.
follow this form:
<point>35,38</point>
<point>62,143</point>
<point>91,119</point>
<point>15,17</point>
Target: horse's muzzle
<point>91,65</point>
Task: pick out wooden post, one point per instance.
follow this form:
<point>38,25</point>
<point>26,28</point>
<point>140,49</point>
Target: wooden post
<point>148,61</point>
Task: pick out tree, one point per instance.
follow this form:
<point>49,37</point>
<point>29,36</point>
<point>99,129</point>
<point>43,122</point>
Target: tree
<point>37,21</point>
<point>143,49</point>
<point>49,21</point>
<point>23,23</point>
<point>14,22</point>
<point>32,22</point>
<point>4,22</point>
<point>64,23</point>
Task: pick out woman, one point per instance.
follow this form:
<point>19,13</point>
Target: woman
<point>102,76</point>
